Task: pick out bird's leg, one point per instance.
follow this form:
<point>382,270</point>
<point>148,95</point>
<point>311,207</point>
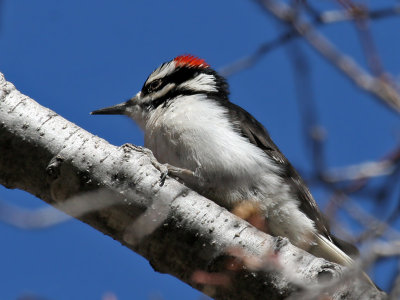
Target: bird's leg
<point>166,169</point>
<point>177,172</point>
<point>184,175</point>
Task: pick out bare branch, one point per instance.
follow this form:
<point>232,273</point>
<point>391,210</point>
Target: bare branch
<point>380,88</point>
<point>334,16</point>
<point>313,133</point>
<point>319,19</point>
<point>76,206</point>
<point>46,155</point>
<point>251,60</point>
<point>360,171</point>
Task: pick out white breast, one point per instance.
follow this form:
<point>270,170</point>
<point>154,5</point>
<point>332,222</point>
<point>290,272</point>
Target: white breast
<point>194,133</point>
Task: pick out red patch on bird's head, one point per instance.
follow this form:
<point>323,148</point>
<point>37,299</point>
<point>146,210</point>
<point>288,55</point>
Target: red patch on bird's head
<point>190,61</point>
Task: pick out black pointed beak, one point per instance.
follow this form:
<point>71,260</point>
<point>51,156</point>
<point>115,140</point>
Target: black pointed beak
<point>118,109</point>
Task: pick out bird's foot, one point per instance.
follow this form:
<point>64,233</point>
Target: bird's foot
<point>179,173</point>
<point>167,169</point>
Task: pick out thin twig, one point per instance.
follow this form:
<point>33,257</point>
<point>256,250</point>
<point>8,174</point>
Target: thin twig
<point>383,91</point>
<point>312,131</point>
<point>319,19</point>
<point>250,60</point>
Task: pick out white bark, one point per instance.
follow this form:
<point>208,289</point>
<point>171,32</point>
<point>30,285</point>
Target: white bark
<point>176,229</point>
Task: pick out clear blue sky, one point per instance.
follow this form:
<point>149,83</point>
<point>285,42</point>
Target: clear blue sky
<point>76,56</point>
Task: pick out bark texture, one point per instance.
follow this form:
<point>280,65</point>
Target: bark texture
<point>176,229</point>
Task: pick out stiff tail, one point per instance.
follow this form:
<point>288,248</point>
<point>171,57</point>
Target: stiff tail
<point>328,250</point>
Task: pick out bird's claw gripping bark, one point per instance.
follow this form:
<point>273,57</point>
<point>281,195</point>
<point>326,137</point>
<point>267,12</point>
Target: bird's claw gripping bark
<point>167,169</point>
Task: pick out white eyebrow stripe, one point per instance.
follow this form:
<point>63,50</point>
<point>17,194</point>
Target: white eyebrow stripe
<point>162,71</point>
<point>201,83</point>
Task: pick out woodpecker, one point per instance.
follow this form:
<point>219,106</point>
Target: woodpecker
<point>189,123</point>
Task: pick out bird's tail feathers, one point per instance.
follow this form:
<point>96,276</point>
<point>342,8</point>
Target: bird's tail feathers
<point>328,250</point>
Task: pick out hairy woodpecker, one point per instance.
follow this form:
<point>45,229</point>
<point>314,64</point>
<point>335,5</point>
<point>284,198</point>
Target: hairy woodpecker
<point>189,123</point>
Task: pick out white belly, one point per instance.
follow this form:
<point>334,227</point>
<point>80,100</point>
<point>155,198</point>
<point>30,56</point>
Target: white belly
<point>195,134</point>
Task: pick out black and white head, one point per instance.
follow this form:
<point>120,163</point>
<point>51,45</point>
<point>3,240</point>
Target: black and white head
<point>185,75</point>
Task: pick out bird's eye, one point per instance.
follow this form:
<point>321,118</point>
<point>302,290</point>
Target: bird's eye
<point>155,85</point>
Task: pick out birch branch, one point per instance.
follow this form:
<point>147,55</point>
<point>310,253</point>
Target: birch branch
<point>178,231</point>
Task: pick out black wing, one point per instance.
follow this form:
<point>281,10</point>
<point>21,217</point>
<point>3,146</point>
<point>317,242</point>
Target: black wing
<point>250,128</point>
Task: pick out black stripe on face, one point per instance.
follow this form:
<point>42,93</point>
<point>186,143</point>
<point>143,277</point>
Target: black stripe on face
<point>164,100</point>
<point>178,77</point>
